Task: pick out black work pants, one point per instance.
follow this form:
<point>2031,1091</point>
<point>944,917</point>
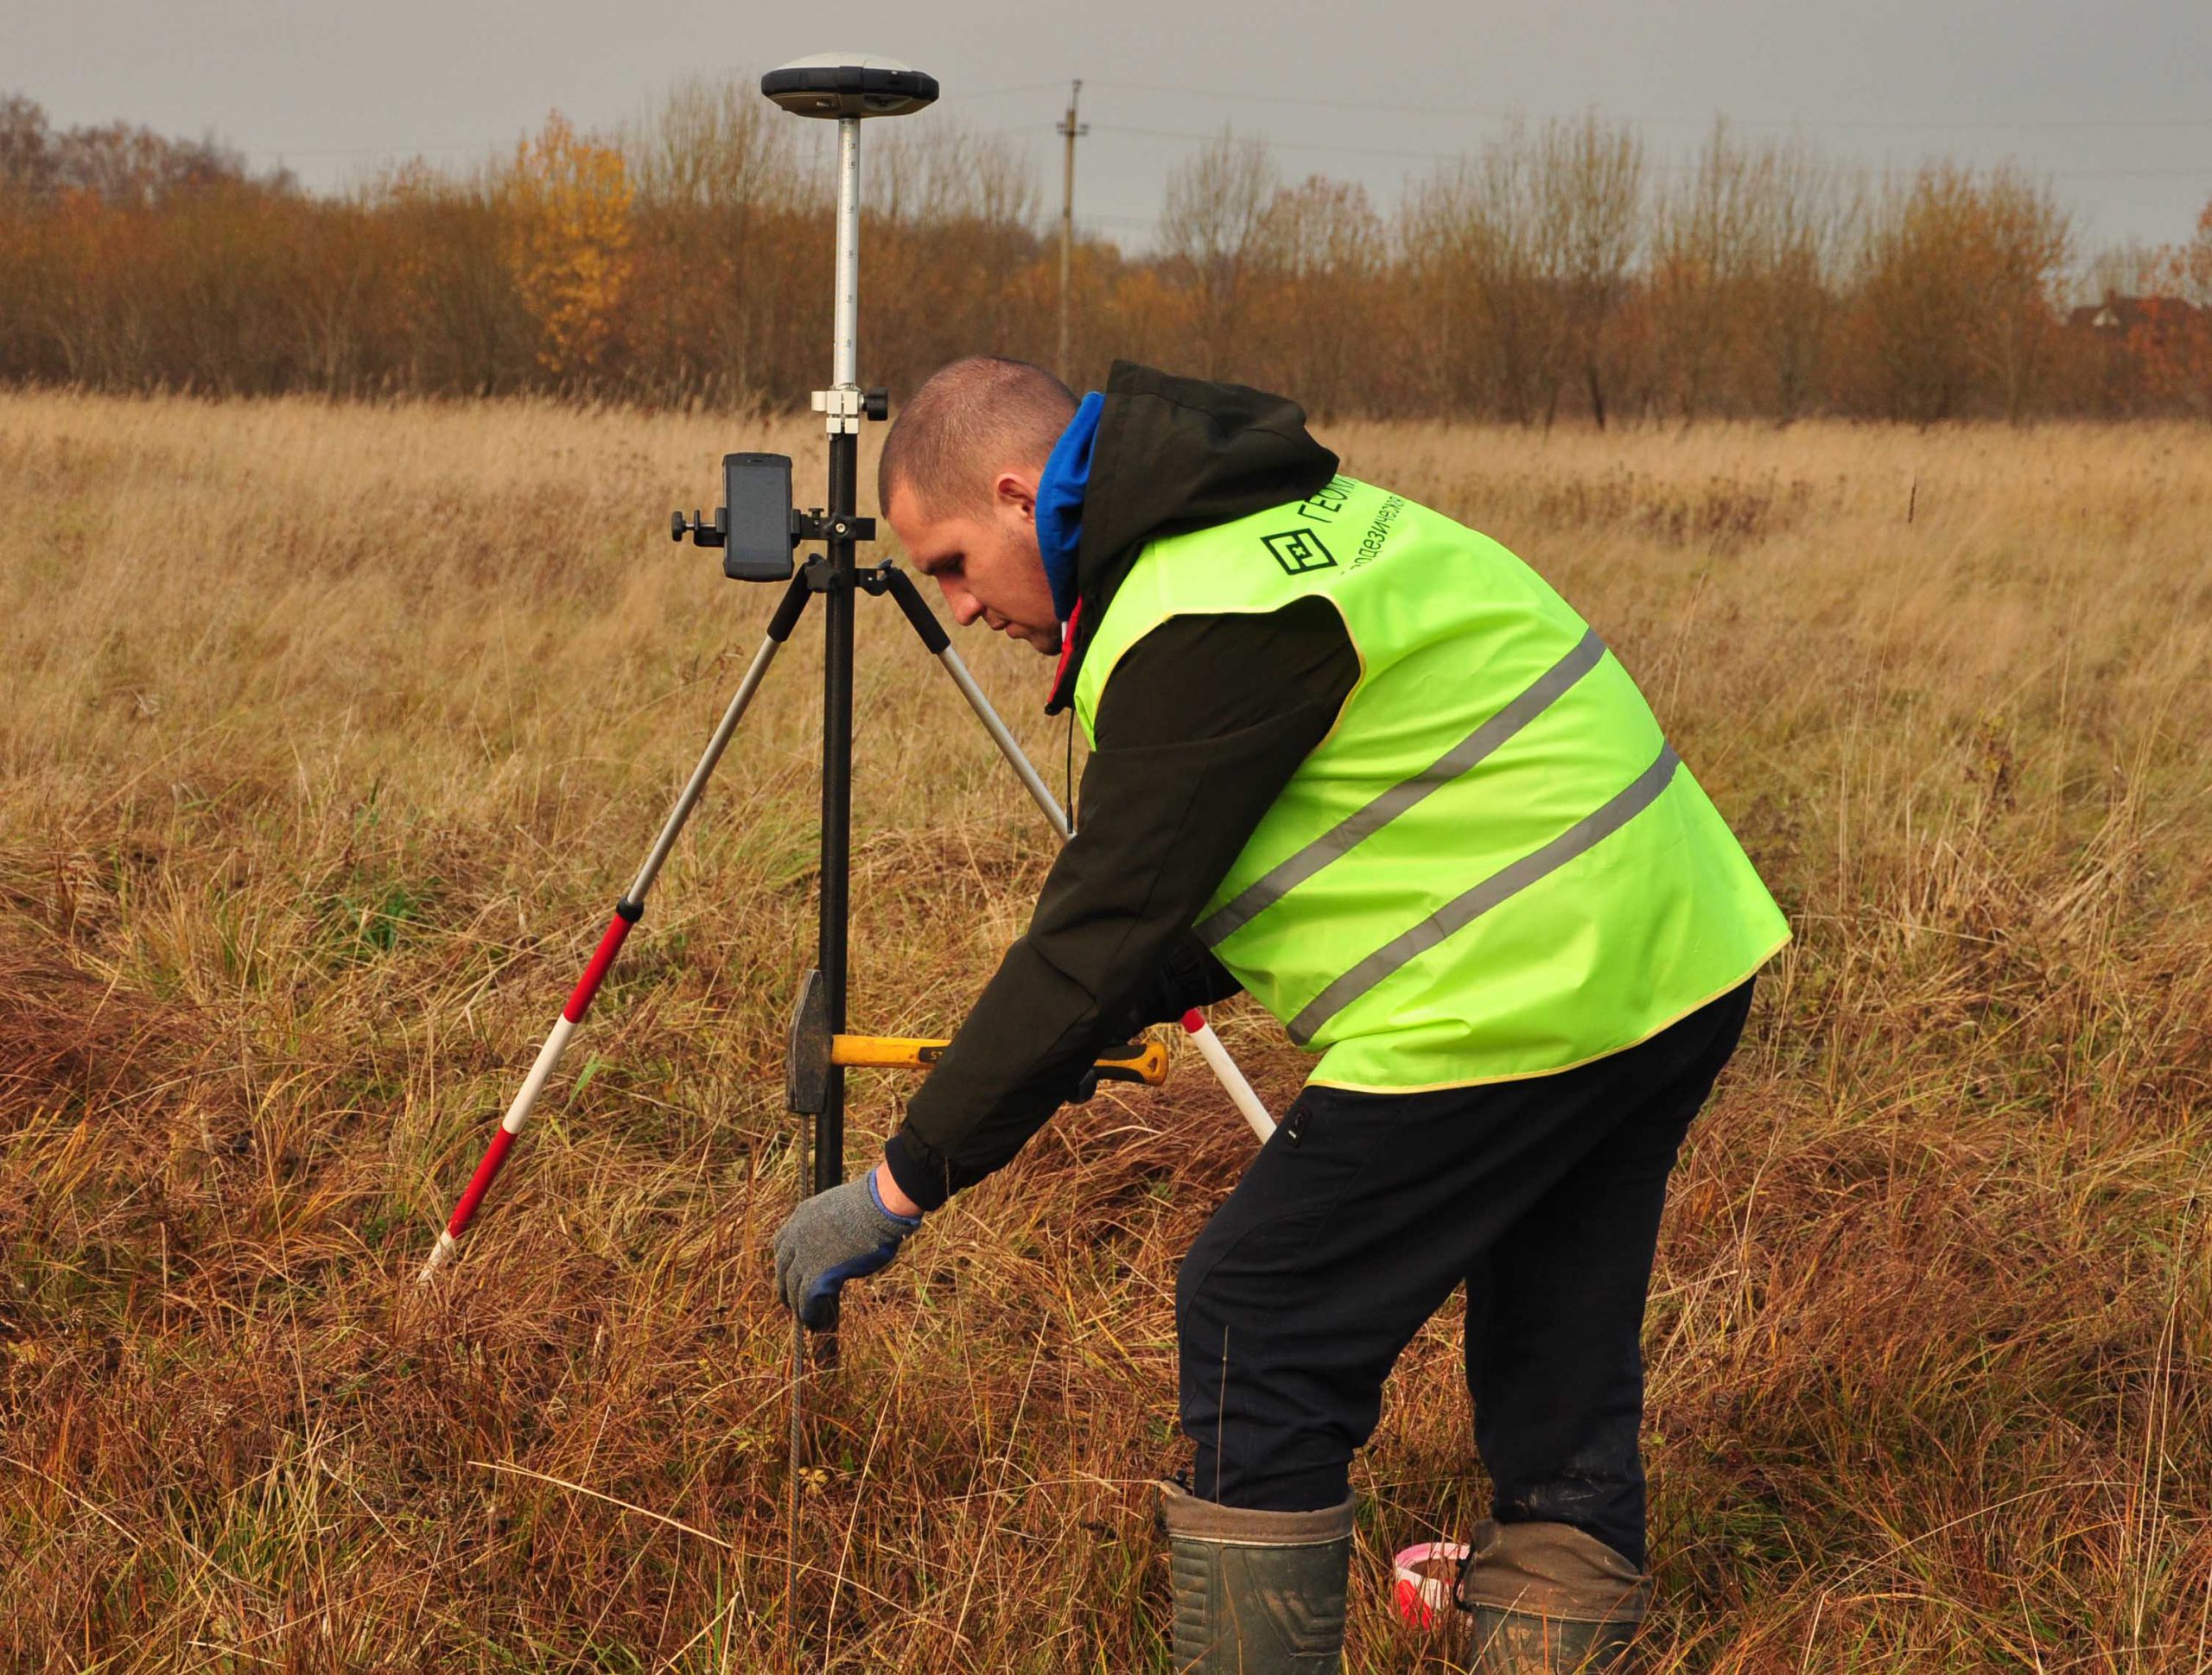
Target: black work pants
<point>1365,1210</point>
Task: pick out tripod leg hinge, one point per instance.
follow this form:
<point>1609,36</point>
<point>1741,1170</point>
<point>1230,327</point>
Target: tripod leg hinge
<point>910,600</point>
<point>788,609</point>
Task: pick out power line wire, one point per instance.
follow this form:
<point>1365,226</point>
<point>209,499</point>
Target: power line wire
<point>1330,147</point>
<point>282,151</point>
<point>1187,133</point>
<point>490,145</point>
<point>1287,145</point>
<point>1001,93</point>
<point>1488,114</point>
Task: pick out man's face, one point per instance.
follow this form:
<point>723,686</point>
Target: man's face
<point>986,560</point>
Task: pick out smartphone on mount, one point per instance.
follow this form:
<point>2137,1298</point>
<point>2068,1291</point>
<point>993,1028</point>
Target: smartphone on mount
<point>756,516</point>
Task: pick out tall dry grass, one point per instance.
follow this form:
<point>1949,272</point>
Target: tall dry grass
<point>332,733</point>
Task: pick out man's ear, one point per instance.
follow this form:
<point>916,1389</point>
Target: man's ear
<point>1016,492</point>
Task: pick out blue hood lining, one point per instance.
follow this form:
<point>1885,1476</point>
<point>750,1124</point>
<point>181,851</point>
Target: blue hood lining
<point>1061,490</point>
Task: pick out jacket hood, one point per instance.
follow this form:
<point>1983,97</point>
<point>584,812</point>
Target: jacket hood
<point>1174,454</point>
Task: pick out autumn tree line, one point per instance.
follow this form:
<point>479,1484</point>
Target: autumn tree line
<point>1559,272</point>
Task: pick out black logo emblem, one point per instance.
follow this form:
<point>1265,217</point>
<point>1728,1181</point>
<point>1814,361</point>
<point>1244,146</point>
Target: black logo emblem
<point>1297,551</point>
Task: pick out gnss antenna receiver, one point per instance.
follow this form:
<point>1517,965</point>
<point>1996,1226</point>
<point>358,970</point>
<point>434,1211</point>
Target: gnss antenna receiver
<point>758,532</point>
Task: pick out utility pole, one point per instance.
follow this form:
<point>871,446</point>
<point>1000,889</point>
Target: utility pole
<point>1072,131</point>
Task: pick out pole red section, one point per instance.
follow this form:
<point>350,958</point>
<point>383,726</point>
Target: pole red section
<point>595,973</point>
<point>480,1182</point>
<point>1193,1021</point>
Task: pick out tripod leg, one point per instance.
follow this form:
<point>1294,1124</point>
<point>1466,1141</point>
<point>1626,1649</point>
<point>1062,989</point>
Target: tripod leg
<point>628,912</point>
<point>939,642</point>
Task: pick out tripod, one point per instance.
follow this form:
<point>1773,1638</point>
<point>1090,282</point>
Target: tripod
<point>758,532</point>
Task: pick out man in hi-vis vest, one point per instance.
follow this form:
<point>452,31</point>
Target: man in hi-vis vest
<point>1360,762</point>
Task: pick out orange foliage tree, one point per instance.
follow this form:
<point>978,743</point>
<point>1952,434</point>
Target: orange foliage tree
<point>2174,342</point>
<point>569,200</point>
<point>1954,304</point>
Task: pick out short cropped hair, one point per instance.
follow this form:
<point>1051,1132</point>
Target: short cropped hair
<point>969,420</point>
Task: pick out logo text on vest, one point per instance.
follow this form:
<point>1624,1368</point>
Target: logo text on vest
<point>1297,551</point>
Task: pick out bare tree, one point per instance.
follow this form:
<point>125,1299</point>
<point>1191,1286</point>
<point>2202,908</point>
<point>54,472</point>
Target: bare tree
<point>1326,245</point>
<point>26,149</point>
<point>2127,269</point>
<point>1813,213</point>
<point>1436,227</point>
<point>128,167</point>
<point>956,216</point>
<point>713,145</point>
<point>1215,229</point>
<point>2029,247</point>
<point>1589,204</point>
<point>1469,238</point>
<point>1957,279</point>
<point>716,168</point>
<point>1705,254</point>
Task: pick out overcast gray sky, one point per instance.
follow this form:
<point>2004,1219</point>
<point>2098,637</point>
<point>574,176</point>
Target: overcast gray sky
<point>2111,98</point>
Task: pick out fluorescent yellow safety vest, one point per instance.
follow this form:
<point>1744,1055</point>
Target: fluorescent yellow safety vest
<point>1494,866</point>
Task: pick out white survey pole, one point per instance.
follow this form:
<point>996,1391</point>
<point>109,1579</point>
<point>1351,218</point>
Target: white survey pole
<point>844,372</point>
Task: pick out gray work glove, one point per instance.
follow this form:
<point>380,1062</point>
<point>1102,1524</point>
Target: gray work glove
<point>834,1236</point>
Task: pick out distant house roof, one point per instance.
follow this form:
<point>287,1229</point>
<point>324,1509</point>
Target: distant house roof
<point>2121,315</point>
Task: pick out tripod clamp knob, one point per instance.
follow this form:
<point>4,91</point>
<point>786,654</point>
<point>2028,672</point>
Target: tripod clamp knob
<point>703,530</point>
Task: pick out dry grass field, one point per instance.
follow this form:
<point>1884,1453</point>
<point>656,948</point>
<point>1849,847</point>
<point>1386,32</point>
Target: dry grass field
<point>331,735</point>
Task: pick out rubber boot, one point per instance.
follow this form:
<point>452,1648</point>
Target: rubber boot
<point>1546,1599</point>
<point>1256,1593</point>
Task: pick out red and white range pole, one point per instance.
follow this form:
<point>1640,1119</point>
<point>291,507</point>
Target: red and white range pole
<point>628,912</point>
<point>1225,1071</point>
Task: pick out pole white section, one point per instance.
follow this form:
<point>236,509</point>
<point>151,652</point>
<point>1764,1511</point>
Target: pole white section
<point>1232,1080</point>
<point>844,359</point>
<point>440,1254</point>
<point>547,1056</point>
<point>703,772</point>
<point>1031,782</point>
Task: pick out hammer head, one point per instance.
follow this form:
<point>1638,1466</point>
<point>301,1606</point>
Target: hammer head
<point>806,1058</point>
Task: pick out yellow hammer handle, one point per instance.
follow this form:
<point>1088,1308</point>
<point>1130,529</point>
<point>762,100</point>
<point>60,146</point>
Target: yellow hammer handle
<point>1148,1064</point>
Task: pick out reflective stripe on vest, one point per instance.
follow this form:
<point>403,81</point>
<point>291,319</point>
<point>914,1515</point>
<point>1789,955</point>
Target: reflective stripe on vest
<point>1464,911</point>
<point>1534,700</point>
